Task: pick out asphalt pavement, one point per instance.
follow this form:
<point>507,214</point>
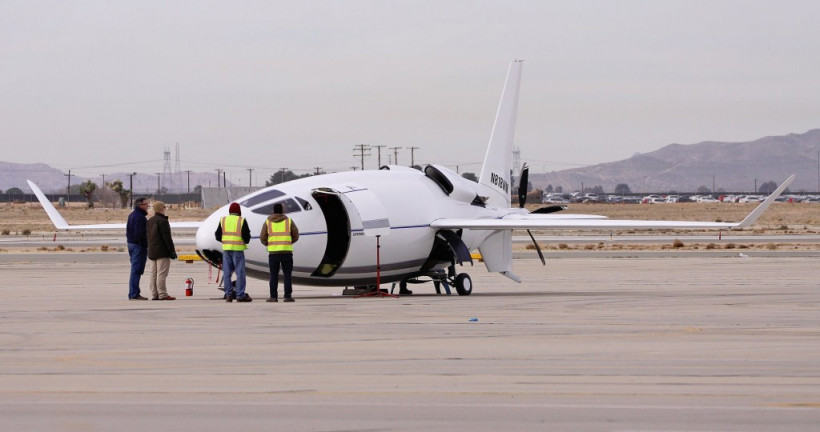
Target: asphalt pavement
<point>652,343</point>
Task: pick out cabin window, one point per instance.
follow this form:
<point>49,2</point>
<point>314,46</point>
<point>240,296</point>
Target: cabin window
<point>305,204</point>
<point>262,197</point>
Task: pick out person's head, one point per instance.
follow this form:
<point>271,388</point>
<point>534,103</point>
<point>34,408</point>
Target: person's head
<point>277,208</point>
<point>141,203</point>
<point>159,207</point>
<point>235,209</point>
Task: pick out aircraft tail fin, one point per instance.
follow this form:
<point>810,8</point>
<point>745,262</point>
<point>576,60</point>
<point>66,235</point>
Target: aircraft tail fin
<point>495,173</point>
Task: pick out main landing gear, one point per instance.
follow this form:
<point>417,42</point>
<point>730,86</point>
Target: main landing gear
<point>461,281</point>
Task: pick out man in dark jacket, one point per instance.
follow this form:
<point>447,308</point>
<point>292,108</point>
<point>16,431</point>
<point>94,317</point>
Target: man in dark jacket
<point>137,240</point>
<point>279,233</point>
<point>161,251</point>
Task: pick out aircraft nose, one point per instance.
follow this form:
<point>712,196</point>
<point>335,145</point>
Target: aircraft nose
<point>205,239</point>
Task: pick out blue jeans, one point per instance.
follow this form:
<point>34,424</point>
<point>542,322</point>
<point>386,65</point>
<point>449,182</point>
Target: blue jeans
<point>284,260</point>
<point>139,255</point>
<point>234,262</point>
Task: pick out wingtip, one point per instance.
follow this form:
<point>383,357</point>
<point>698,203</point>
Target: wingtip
<point>757,212</point>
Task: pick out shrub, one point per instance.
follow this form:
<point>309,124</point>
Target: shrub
<point>6,232</point>
<point>26,232</point>
<point>771,246</point>
<point>711,246</point>
<point>562,246</point>
<point>104,248</point>
<point>677,243</point>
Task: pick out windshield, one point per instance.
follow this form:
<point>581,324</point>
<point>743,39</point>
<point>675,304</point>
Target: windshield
<point>262,197</point>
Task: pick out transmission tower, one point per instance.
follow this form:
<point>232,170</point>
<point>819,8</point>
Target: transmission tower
<point>166,170</point>
<point>177,172</point>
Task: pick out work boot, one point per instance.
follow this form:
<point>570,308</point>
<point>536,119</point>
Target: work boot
<point>272,300</point>
<point>244,299</point>
<point>289,300</point>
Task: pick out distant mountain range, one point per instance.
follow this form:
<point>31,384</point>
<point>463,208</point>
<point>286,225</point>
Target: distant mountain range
<point>54,180</point>
<point>731,167</point>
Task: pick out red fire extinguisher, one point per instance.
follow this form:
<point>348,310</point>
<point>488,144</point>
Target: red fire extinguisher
<point>189,287</point>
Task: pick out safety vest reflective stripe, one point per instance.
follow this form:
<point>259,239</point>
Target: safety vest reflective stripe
<point>279,239</point>
<point>232,233</point>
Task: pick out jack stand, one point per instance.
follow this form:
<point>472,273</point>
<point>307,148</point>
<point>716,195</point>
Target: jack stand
<point>378,291</point>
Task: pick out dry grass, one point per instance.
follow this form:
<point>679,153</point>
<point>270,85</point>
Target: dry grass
<point>17,219</point>
<point>780,218</point>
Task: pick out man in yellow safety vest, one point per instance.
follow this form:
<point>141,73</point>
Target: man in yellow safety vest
<point>234,234</point>
<point>279,233</point>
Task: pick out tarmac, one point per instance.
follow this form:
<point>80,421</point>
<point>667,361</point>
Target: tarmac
<point>650,343</point>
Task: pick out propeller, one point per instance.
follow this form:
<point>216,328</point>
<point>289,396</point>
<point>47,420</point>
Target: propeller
<point>522,200</point>
<point>522,185</point>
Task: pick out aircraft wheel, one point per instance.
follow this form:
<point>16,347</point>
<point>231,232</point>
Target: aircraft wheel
<point>464,285</point>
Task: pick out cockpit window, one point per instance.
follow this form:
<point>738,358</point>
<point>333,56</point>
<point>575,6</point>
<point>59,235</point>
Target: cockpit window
<point>305,205</point>
<point>288,206</point>
<point>262,197</point>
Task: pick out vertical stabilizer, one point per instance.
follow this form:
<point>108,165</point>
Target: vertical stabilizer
<point>495,173</point>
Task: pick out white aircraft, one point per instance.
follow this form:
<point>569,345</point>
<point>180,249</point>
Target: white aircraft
<point>424,222</point>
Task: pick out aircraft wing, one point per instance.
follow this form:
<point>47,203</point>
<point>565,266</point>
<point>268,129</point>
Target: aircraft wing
<point>60,223</point>
<point>556,221</point>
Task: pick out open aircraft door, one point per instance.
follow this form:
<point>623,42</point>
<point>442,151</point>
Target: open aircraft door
<point>347,208</point>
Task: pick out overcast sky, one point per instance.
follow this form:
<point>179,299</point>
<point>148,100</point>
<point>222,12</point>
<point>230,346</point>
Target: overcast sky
<point>106,86</point>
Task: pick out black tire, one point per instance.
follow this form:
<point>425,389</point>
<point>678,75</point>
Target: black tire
<point>464,285</point>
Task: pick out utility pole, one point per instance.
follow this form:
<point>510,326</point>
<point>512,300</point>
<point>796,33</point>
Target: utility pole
<point>159,188</point>
<point>225,179</point>
<point>318,170</point>
<point>395,154</point>
<point>189,180</point>
<point>68,189</point>
<point>379,152</point>
<point>218,177</point>
<point>250,178</point>
<point>362,148</point>
<point>412,156</point>
<point>131,188</point>
<point>282,177</point>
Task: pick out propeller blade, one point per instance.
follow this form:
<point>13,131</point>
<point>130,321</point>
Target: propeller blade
<point>522,185</point>
<point>537,248</point>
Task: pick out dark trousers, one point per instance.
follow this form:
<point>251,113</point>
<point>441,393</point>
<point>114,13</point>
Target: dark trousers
<point>285,261</point>
<point>138,255</point>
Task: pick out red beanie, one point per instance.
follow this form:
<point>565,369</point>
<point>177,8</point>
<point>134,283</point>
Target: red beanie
<point>234,209</point>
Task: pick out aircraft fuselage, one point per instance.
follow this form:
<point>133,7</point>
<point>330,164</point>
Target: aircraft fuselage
<point>338,217</point>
